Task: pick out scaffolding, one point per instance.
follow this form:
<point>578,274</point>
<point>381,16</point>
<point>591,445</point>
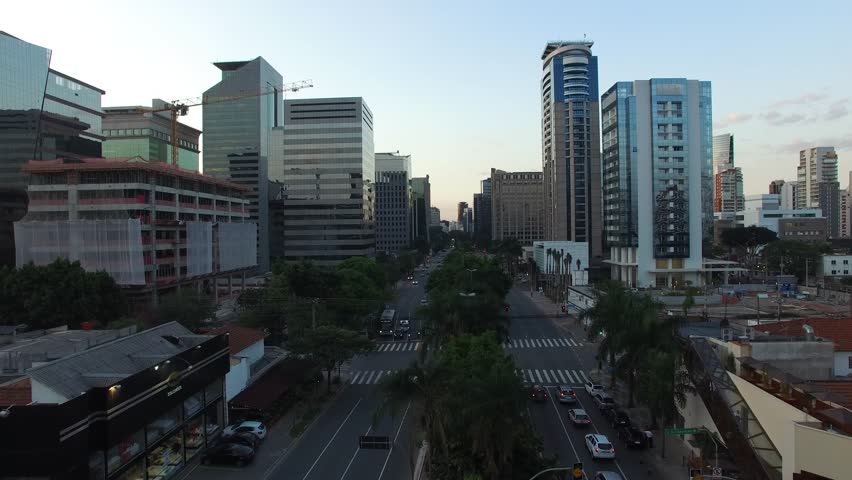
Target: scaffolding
<point>111,245</point>
<point>237,246</point>
<point>199,248</point>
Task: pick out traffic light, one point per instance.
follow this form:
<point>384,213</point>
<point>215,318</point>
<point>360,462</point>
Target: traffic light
<point>695,474</point>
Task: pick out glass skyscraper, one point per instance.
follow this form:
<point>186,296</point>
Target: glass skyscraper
<point>236,136</point>
<point>658,180</point>
<point>570,132</point>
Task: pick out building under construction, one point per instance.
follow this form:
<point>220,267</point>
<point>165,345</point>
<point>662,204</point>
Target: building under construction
<point>152,226</point>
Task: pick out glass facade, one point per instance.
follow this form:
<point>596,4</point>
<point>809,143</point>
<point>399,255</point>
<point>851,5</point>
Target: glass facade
<point>71,98</point>
<point>236,145</point>
<point>167,443</point>
<point>619,165</point>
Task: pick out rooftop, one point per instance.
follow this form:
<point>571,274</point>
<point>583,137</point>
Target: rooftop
<point>109,363</point>
<point>838,330</point>
<point>240,337</point>
<point>129,163</point>
<point>16,392</point>
<point>555,44</point>
<point>842,391</point>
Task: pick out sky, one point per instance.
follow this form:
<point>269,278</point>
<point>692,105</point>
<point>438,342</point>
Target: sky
<point>455,84</point>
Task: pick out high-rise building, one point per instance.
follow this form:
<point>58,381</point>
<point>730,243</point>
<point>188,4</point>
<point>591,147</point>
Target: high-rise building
<point>816,165</point>
<point>467,220</point>
<point>236,136</point>
<point>436,217</point>
<point>571,162</point>
<point>421,208</point>
<point>482,209</point>
<point>45,115</point>
<point>658,157</point>
<point>845,214</point>
<point>131,132</point>
<point>723,152</point>
<point>393,202</point>
<point>322,172</point>
<point>729,191</point>
<point>789,192</point>
<point>775,186</point>
<point>517,206</point>
<point>460,215</point>
<point>829,199</point>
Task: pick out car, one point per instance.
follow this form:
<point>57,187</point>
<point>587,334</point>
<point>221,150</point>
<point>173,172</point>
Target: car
<point>599,446</point>
<point>607,475</point>
<point>229,453</point>
<point>579,417</point>
<point>538,393</point>
<point>603,400</point>
<point>423,301</point>
<point>592,387</point>
<point>415,282</point>
<point>242,438</point>
<point>567,395</point>
<point>617,418</point>
<point>632,437</point>
<point>256,428</point>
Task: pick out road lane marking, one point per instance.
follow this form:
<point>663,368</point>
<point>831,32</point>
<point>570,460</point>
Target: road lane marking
<point>538,376</point>
<point>530,376</point>
<point>417,347</point>
<point>544,372</point>
<point>584,376</point>
<point>623,475</point>
<point>563,342</point>
<point>564,429</point>
<point>381,372</point>
<point>553,374</point>
<point>332,439</point>
<point>568,374</point>
<point>357,374</point>
<point>370,378</point>
<point>562,376</point>
<point>394,440</point>
<point>355,454</point>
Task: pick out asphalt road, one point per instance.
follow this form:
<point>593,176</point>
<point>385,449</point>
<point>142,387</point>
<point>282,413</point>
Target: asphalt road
<point>550,418</point>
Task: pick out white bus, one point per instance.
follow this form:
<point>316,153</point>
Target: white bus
<point>387,322</point>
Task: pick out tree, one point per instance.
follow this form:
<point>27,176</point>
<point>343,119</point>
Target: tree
<point>366,266</point>
<point>749,240</point>
<point>330,347</point>
<point>306,280</point>
<point>61,293</point>
<point>792,256</point>
<point>189,308</point>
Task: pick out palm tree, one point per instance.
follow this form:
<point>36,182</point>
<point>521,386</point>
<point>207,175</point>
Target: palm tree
<point>557,264</point>
<point>567,261</point>
<point>547,272</point>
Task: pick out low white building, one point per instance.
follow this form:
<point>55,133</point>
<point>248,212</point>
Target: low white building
<point>836,265</point>
<point>246,349</point>
<point>579,252</point>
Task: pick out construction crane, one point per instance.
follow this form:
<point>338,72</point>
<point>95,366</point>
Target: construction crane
<point>179,108</point>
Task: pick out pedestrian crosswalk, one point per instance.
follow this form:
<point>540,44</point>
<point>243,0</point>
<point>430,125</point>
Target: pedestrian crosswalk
<point>369,377</point>
<point>541,343</point>
<point>547,377</point>
<point>398,347</point>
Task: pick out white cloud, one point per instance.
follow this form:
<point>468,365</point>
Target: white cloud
<point>733,118</point>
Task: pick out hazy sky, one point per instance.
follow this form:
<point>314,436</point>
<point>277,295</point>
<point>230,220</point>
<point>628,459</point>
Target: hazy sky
<point>456,83</point>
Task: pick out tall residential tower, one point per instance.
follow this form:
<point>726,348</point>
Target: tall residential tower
<point>570,138</point>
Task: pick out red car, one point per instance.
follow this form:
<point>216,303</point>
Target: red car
<point>538,393</point>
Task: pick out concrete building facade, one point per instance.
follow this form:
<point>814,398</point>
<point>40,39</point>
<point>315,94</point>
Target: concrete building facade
<point>811,230</point>
<point>729,191</point>
<point>658,152</point>
<point>436,217</point>
<point>393,202</point>
<point>816,165</point>
<point>517,206</point>
<point>723,152</point>
<point>322,169</point>
<point>571,161</point>
<point>236,140</point>
<point>421,208</point>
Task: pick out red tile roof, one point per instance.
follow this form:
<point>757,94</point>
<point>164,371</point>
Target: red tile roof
<point>838,330</point>
<point>840,388</point>
<point>241,337</point>
<point>19,392</point>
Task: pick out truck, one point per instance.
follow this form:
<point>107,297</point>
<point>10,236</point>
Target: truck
<point>387,323</point>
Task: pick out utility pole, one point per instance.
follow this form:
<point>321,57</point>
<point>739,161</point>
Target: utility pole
<point>806,271</point>
<point>314,313</point>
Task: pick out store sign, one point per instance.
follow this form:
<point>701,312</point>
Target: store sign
<point>173,382</point>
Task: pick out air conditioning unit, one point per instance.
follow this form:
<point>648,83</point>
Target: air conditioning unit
<point>750,332</point>
<point>727,334</point>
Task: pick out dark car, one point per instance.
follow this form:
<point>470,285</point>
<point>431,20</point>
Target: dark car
<point>617,418</point>
<point>632,437</point>
<point>228,453</point>
<point>538,393</point>
<point>243,438</point>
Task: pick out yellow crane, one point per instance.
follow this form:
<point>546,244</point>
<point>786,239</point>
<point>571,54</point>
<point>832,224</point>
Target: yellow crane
<point>179,108</point>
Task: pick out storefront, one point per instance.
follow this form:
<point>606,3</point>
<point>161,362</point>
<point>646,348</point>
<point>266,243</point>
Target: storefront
<point>146,426</point>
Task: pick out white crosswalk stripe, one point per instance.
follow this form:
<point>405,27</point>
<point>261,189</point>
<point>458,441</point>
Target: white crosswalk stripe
<point>553,342</point>
<point>562,376</point>
<point>355,378</point>
<point>585,378</point>
<point>562,342</point>
<point>398,346</point>
<point>381,372</point>
<point>546,376</point>
<point>551,377</point>
<point>369,377</point>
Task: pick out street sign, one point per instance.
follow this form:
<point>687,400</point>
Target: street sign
<point>374,442</point>
<point>681,431</point>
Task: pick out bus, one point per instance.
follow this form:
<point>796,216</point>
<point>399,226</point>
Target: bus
<point>387,322</point>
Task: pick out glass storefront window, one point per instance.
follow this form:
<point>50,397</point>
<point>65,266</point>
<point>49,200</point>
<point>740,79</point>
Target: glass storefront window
<point>194,436</point>
<point>136,471</point>
<point>97,469</point>
<point>214,420</point>
<point>167,459</point>
<point>164,424</point>
<point>125,451</point>
<point>213,391</point>
<point>193,404</point>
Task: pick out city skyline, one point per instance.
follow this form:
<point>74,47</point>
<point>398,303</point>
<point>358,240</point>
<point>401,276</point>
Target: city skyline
<point>773,114</point>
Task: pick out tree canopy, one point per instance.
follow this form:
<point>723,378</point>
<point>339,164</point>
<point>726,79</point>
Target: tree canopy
<point>61,293</point>
<point>792,257</point>
<point>330,347</point>
<point>187,307</point>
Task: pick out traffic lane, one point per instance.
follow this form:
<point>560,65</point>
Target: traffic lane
<point>546,425</point>
<point>299,461</point>
<point>383,361</point>
<point>525,327</point>
<point>393,463</point>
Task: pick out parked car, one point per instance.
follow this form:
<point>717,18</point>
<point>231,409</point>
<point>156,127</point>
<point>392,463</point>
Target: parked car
<point>599,446</point>
<point>607,475</point>
<point>632,436</point>
<point>603,400</point>
<point>567,395</point>
<point>579,417</point>
<point>243,438</point>
<point>256,428</point>
<point>423,301</point>
<point>592,387</point>
<point>538,393</point>
<point>617,418</point>
<point>228,453</point>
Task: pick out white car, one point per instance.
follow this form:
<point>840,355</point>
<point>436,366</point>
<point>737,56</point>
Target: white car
<point>423,301</point>
<point>256,428</point>
<point>600,446</point>
<point>592,388</point>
